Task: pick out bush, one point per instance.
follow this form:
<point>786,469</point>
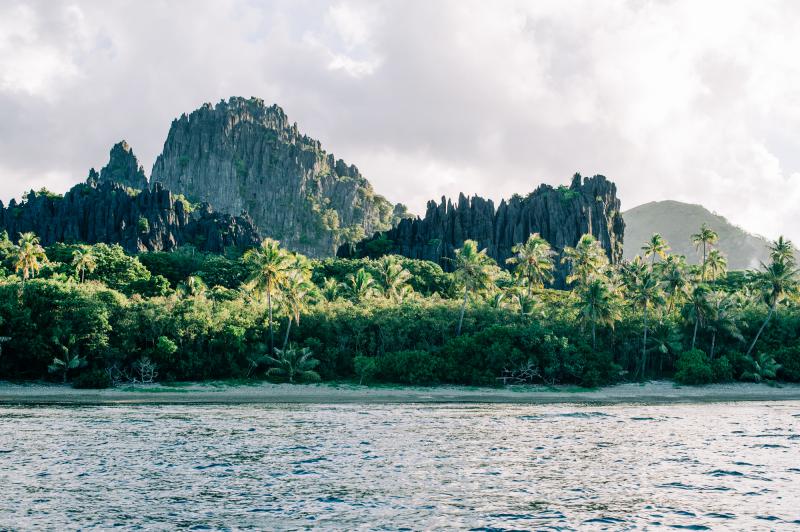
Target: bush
<point>722,370</point>
<point>95,379</point>
<point>693,368</point>
<point>365,367</point>
<point>789,359</point>
<point>408,367</point>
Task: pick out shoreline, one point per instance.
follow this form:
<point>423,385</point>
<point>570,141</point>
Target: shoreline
<point>655,393</point>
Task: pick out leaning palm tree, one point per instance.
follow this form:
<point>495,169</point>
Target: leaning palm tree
<point>586,260</point>
<point>534,260</point>
<point>30,256</point>
<point>598,305</point>
<point>293,362</point>
<point>705,239</point>
<point>656,247</point>
<point>268,265</point>
<point>777,281</point>
<point>475,270</point>
<point>360,285</point>
<point>394,277</point>
<point>83,262</point>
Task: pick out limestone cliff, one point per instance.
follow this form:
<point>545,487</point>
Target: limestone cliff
<point>123,167</point>
<point>561,215</point>
<point>146,220</point>
<point>242,156</point>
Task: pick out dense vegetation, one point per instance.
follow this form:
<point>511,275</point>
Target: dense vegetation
<point>93,315</point>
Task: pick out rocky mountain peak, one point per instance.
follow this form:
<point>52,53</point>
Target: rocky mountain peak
<point>241,155</point>
<point>123,167</point>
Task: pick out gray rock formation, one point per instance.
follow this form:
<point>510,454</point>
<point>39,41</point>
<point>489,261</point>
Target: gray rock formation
<point>146,220</point>
<point>242,156</point>
<point>561,215</point>
<point>123,167</point>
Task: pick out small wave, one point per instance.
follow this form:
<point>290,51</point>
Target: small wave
<point>604,520</point>
<point>716,515</point>
<point>690,527</point>
<point>213,464</point>
<point>723,473</point>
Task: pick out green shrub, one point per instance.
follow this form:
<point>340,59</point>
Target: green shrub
<point>365,368</point>
<point>95,379</point>
<point>693,368</point>
<point>722,369</point>
<point>789,359</point>
<point>408,367</point>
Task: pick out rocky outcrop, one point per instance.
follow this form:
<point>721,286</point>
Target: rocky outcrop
<point>242,156</point>
<point>123,167</point>
<point>146,220</point>
<point>561,215</point>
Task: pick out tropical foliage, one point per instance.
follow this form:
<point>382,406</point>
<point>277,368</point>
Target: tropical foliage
<point>95,315</point>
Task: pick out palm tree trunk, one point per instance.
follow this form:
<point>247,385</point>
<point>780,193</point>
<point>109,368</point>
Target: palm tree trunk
<point>713,343</point>
<point>288,328</point>
<point>694,336</point>
<point>763,326</point>
<point>594,336</point>
<point>644,342</point>
<point>271,332</point>
<point>463,308</point>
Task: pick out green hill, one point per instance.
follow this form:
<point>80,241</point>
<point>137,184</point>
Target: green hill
<point>677,221</point>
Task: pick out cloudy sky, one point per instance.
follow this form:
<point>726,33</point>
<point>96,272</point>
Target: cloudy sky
<point>690,100</point>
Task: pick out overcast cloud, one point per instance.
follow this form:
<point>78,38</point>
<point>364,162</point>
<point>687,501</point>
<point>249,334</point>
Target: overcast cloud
<point>686,100</point>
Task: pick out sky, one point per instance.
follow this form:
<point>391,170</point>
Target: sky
<point>695,101</point>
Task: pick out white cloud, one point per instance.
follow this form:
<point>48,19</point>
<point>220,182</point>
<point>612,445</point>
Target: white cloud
<point>692,101</point>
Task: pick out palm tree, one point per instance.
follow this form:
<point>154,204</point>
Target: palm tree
<point>30,256</point>
<point>586,260</point>
<point>293,362</point>
<point>83,262</point>
<point>777,281</point>
<point>598,306</point>
<point>698,307</point>
<point>534,260</point>
<point>394,277</point>
<point>782,250</point>
<point>475,270</point>
<point>655,247</point>
<point>330,289</point>
<point>360,285</point>
<point>194,286</point>
<point>763,367</point>
<point>722,318</point>
<point>716,264</point>
<point>673,278</point>
<point>69,358</point>
<point>295,289</point>
<point>268,264</point>
<point>705,238</point>
<point>645,290</point>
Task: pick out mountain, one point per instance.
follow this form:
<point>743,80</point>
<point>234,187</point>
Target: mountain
<point>677,221</point>
<point>242,156</point>
<point>561,215</point>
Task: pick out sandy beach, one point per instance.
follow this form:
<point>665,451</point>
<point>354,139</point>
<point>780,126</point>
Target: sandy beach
<point>660,392</point>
